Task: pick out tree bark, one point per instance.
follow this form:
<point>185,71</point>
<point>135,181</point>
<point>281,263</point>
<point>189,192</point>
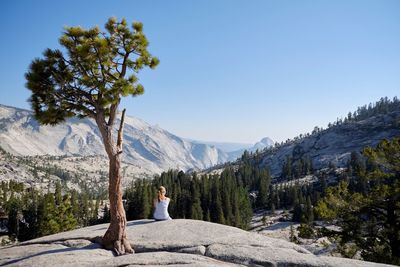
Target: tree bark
<point>115,236</point>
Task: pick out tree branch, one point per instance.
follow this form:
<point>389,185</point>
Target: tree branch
<point>120,131</point>
<point>113,113</point>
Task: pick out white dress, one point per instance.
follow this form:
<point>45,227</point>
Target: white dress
<point>161,211</point>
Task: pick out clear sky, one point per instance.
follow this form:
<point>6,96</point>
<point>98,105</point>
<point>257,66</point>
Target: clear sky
<point>230,70</point>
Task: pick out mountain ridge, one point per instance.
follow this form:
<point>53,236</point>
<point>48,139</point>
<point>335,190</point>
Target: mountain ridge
<point>334,145</point>
<point>150,147</point>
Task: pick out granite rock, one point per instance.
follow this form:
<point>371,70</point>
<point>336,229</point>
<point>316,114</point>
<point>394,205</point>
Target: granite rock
<point>175,242</point>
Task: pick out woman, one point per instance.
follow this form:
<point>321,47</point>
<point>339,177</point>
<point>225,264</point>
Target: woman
<point>161,205</point>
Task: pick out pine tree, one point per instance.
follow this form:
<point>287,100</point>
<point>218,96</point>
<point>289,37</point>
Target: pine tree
<point>237,221</point>
<point>30,215</point>
<point>14,207</point>
<point>196,211</point>
<point>226,181</point>
<point>146,201</point>
<point>205,197</point>
<point>287,168</point>
<point>84,211</point>
<point>377,236</point>
<point>57,194</point>
<point>309,211</point>
<point>90,80</point>
<point>263,188</point>
<point>246,212</point>
<point>216,212</point>
<point>75,208</point>
<point>49,223</point>
<point>65,216</point>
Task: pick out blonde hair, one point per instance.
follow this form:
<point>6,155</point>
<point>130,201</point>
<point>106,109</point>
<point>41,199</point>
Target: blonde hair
<point>161,191</point>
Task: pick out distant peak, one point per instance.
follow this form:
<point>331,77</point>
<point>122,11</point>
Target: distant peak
<point>266,140</point>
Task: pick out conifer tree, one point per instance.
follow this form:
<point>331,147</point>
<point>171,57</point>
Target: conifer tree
<point>371,220</point>
<point>30,214</point>
<point>14,207</point>
<point>264,182</point>
<point>205,197</point>
<point>66,219</point>
<point>309,211</point>
<point>216,211</point>
<point>196,211</point>
<point>146,201</point>
<point>98,69</point>
<point>226,181</point>
<point>58,194</point>
<point>75,209</point>
<point>95,212</point>
<point>245,209</point>
<point>49,223</point>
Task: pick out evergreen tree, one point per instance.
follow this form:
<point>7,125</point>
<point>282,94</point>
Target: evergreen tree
<point>226,181</point>
<point>205,197</point>
<point>216,211</point>
<point>58,194</point>
<point>287,168</point>
<point>75,209</point>
<point>147,201</point>
<point>264,184</point>
<point>30,215</point>
<point>84,211</point>
<point>245,210</point>
<point>14,207</point>
<point>309,211</point>
<point>48,220</point>
<point>65,216</point>
<point>196,211</point>
<point>370,220</point>
<point>98,69</point>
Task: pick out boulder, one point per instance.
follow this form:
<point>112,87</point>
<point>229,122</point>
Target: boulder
<point>174,242</point>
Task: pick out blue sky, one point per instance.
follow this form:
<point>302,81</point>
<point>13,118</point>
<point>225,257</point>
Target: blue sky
<point>230,70</point>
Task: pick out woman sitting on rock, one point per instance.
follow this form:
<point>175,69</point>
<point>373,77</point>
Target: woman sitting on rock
<point>161,205</point>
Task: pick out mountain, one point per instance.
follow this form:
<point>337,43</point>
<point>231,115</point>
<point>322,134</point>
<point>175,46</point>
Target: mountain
<point>334,145</point>
<point>148,147</point>
<point>264,143</point>
<point>235,150</point>
<point>224,146</point>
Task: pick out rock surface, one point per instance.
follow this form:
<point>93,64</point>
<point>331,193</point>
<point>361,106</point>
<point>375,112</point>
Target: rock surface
<point>176,243</point>
<point>333,145</point>
<point>149,147</point>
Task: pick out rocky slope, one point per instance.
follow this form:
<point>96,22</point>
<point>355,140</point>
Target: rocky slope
<point>333,145</point>
<point>150,147</point>
<point>43,172</point>
<point>176,242</point>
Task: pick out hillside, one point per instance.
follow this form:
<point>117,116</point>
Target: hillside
<point>176,242</point>
<point>331,146</point>
<point>150,148</point>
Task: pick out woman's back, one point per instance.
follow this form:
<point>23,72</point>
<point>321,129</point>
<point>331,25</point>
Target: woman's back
<point>161,209</point>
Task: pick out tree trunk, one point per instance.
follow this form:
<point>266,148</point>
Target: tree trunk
<point>115,237</point>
